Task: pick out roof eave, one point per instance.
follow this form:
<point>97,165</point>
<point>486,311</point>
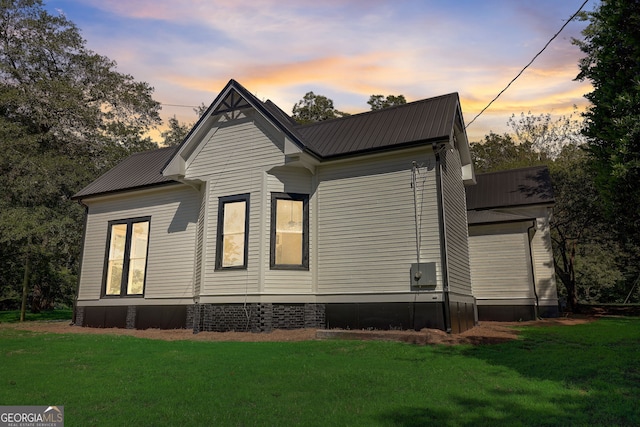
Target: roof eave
<point>122,190</point>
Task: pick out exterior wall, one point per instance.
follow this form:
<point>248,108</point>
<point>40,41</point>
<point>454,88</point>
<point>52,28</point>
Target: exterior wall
<point>456,228</point>
<point>501,267</point>
<point>366,227</point>
<point>290,282</point>
<point>544,270</point>
<point>235,158</point>
<point>500,264</point>
<point>174,212</point>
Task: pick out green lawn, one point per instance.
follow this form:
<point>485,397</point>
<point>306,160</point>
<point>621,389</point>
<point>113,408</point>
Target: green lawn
<point>573,375</point>
<point>14,316</point>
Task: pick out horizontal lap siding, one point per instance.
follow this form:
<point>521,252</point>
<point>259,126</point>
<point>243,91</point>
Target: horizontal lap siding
<point>291,180</point>
<point>500,265</point>
<point>366,225</point>
<point>544,264</point>
<point>455,210</point>
<point>542,252</point>
<point>234,160</point>
<point>174,214</point>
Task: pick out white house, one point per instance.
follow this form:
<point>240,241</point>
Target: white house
<point>255,222</point>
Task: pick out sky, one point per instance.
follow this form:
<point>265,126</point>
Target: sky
<point>346,50</point>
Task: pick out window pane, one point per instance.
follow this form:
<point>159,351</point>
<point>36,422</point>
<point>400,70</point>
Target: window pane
<point>289,225</point>
<point>233,234</point>
<point>116,258</point>
<point>138,257</point>
<point>136,276</point>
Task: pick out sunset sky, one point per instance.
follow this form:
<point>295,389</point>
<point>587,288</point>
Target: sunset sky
<point>346,50</point>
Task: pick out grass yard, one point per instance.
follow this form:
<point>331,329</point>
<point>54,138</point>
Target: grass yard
<point>14,316</point>
<point>579,375</point>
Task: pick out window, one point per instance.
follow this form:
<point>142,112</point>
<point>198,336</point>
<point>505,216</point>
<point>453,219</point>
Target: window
<point>233,224</point>
<point>289,231</point>
<point>126,263</point>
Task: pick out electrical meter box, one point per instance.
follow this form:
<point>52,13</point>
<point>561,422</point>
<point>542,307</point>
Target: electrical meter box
<point>423,275</point>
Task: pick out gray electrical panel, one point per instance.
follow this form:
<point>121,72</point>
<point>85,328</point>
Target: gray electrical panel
<point>423,275</point>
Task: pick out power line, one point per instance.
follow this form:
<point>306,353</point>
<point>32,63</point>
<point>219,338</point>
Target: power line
<point>530,62</point>
<point>179,105</point>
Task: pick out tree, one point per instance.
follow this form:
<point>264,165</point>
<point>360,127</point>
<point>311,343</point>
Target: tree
<point>378,102</point>
<point>314,108</point>
<point>177,131</point>
<point>611,46</point>
<point>587,260</point>
<point>503,152</point>
<point>66,115</point>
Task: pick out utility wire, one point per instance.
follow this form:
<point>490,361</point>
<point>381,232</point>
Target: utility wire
<point>530,62</point>
<point>179,105</point>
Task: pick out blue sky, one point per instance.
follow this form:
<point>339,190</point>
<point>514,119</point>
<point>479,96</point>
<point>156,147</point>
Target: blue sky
<point>344,49</point>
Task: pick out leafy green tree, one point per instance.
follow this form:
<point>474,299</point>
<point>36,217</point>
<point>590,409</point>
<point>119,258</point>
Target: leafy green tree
<point>502,152</point>
<point>611,45</point>
<point>66,115</point>
<point>587,260</point>
<point>314,108</point>
<point>378,102</point>
<point>177,131</point>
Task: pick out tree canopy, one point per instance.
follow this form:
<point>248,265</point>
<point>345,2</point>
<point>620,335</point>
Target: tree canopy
<point>588,260</point>
<point>611,45</point>
<point>314,108</point>
<point>66,115</point>
<point>379,102</point>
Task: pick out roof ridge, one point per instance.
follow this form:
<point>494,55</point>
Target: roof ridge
<point>379,111</point>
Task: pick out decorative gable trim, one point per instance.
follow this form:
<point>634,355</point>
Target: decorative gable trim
<point>229,104</point>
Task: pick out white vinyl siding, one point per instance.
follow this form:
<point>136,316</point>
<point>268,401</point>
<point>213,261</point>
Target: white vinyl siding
<point>233,150</point>
<point>174,212</point>
<point>543,262</point>
<point>500,262</point>
<point>200,237</point>
<point>366,226</point>
<point>292,180</point>
<point>542,253</point>
<point>455,210</point>
<point>244,156</point>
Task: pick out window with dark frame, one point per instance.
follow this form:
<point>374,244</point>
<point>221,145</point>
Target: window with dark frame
<point>233,232</point>
<point>289,231</point>
<point>126,257</point>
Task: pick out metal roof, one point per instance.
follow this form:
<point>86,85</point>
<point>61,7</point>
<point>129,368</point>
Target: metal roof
<point>136,171</point>
<point>396,127</point>
<point>427,120</point>
<point>516,187</point>
<point>491,217</point>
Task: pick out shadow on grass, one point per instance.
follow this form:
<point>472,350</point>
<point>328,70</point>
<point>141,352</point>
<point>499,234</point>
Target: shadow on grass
<point>580,375</point>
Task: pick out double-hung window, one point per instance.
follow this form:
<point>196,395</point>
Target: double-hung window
<point>289,231</point>
<point>126,261</point>
<point>233,235</point>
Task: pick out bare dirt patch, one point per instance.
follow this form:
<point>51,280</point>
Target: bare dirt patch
<point>484,333</point>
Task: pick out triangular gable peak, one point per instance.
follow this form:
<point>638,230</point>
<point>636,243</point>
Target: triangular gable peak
<point>460,141</point>
<point>231,103</point>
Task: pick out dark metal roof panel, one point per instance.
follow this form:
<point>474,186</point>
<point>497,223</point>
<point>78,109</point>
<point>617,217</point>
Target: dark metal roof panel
<point>490,217</point>
<point>516,187</point>
<point>136,171</point>
<point>425,120</point>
